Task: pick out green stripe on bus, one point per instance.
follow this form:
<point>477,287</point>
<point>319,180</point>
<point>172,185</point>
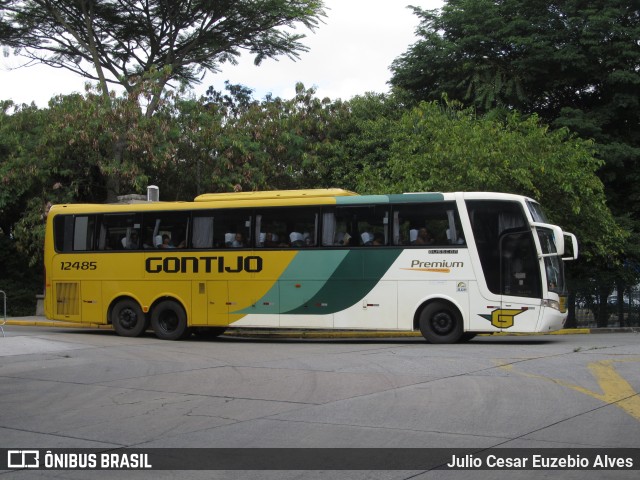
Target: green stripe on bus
<point>356,276</point>
<point>362,200</point>
<point>303,278</point>
<point>416,198</point>
<point>396,198</point>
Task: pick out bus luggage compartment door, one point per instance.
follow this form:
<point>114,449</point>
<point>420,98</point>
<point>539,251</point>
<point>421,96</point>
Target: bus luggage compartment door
<point>217,303</point>
<point>91,291</point>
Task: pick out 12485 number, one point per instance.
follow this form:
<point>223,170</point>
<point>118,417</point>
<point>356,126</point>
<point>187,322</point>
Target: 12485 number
<point>78,265</point>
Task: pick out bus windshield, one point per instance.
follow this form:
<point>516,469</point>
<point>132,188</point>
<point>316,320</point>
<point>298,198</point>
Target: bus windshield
<point>536,212</point>
<point>554,267</point>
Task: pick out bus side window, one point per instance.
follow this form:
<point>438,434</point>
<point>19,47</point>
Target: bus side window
<point>287,227</point>
<point>428,224</point>
<point>356,226</point>
<point>117,230</point>
<point>166,229</point>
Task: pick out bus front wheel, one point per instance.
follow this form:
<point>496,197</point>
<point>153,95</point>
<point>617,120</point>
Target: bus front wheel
<point>441,323</point>
<point>127,318</point>
<point>169,320</point>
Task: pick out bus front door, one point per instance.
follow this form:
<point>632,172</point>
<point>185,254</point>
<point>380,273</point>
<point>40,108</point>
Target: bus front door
<point>521,286</point>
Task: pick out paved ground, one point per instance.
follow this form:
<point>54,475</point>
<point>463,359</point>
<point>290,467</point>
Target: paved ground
<point>89,388</point>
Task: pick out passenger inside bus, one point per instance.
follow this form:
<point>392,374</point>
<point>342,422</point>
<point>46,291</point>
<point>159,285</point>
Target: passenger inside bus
<point>166,242</point>
<point>378,239</point>
<point>343,239</point>
<point>297,239</point>
<point>132,243</point>
<point>234,240</point>
<point>423,237</point>
<point>271,240</point>
<point>367,238</point>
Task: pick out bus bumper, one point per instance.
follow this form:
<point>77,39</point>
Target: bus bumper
<point>551,320</point>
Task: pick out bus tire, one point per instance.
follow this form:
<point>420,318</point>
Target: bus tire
<point>441,322</point>
<point>169,320</point>
<point>127,318</point>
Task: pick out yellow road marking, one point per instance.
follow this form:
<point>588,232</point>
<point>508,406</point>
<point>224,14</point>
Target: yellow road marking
<point>615,389</point>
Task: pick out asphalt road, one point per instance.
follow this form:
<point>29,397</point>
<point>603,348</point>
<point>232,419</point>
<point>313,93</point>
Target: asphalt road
<point>66,388</point>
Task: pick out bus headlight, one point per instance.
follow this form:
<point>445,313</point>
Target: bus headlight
<point>551,303</point>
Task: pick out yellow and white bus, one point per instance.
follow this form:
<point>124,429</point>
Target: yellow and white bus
<point>448,264</point>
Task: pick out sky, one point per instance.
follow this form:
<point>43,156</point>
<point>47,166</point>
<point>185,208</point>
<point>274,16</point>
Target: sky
<point>349,54</point>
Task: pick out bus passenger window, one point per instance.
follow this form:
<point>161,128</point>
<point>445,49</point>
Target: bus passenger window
<point>116,231</point>
<point>165,230</point>
<point>357,226</point>
<point>287,227</point>
<point>427,224</point>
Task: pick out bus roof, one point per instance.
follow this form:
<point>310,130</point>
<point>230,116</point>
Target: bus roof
<point>275,194</point>
<point>277,198</point>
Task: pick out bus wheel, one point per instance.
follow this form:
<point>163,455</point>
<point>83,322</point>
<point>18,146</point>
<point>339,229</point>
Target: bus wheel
<point>127,318</point>
<point>441,323</point>
<point>169,321</point>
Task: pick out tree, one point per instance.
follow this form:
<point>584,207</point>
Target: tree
<point>155,42</point>
<point>535,56</point>
<point>232,141</point>
<point>116,41</point>
<point>574,64</point>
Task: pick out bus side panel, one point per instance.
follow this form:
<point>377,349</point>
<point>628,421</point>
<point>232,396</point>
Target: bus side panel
<point>259,296</point>
<point>301,305</point>
<point>377,310</point>
<point>199,304</point>
<point>92,307</point>
<point>217,303</point>
<point>481,309</point>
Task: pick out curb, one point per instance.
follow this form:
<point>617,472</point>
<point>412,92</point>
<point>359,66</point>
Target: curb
<point>284,333</point>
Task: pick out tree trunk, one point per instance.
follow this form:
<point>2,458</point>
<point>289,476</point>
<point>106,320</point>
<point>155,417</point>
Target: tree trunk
<point>620,305</point>
<point>113,180</point>
<point>603,312</point>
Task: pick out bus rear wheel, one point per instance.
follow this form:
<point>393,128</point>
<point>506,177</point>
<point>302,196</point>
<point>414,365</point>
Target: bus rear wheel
<point>169,320</point>
<point>127,318</point>
<point>441,322</point>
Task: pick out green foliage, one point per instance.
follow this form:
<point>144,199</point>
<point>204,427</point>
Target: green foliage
<point>229,141</point>
<point>574,64</point>
<point>18,279</point>
<point>113,147</point>
<point>536,56</point>
<point>359,137</point>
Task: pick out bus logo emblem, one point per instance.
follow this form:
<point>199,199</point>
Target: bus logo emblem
<point>503,317</point>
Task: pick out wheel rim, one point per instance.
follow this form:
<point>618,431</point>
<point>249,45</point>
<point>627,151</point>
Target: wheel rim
<point>442,323</point>
<point>128,319</point>
<point>168,321</point>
